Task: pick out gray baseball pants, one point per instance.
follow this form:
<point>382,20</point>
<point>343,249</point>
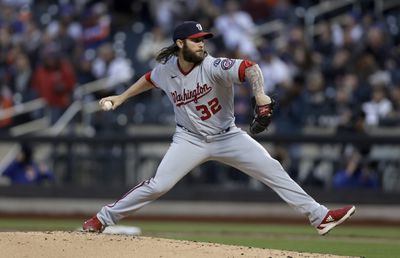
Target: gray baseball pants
<point>235,148</point>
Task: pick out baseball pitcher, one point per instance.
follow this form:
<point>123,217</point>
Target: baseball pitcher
<point>200,88</point>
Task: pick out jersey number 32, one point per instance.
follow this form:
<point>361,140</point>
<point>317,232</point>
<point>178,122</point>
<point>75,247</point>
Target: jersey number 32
<point>210,109</point>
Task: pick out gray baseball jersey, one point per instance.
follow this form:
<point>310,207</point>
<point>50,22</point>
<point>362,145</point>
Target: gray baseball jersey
<point>203,105</point>
<point>203,97</point>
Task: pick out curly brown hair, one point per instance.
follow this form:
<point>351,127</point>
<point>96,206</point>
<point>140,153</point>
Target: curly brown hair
<point>166,53</point>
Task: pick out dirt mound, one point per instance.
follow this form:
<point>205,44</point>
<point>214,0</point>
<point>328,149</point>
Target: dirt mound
<point>77,244</point>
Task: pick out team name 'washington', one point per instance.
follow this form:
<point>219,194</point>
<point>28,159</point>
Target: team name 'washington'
<point>188,96</point>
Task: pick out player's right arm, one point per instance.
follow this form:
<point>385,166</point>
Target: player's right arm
<point>138,87</point>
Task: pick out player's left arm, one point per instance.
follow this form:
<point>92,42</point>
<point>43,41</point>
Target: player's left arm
<point>255,78</point>
<point>235,71</point>
<point>264,105</point>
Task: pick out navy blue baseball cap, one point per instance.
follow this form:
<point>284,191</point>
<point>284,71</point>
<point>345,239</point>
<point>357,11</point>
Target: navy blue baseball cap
<point>190,30</point>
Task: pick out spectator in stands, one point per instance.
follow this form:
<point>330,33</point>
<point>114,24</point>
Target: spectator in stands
<point>168,12</point>
<point>150,45</point>
<point>289,119</point>
<point>353,28</point>
<point>378,46</point>
<point>340,63</point>
<point>345,104</point>
<point>66,43</point>
<point>378,107</point>
<point>5,103</point>
<point>31,41</point>
<point>324,50</point>
<point>393,118</point>
<point>363,66</point>
<point>357,173</point>
<point>318,104</point>
<point>10,19</point>
<point>290,115</point>
<point>20,82</point>
<point>96,26</point>
<point>354,123</point>
<point>54,80</point>
<point>299,53</point>
<point>283,10</point>
<point>237,29</point>
<point>355,169</point>
<point>21,79</point>
<point>67,20</point>
<point>24,170</point>
<point>5,51</point>
<point>164,13</point>
<point>259,10</point>
<point>84,68</point>
<point>108,65</point>
<point>275,71</point>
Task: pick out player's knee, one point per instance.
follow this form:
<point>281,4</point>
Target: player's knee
<point>160,188</point>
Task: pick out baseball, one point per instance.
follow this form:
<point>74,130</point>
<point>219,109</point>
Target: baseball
<point>107,105</point>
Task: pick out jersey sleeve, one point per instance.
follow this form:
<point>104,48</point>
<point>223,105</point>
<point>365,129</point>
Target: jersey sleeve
<point>229,70</point>
<point>155,77</point>
<point>147,76</point>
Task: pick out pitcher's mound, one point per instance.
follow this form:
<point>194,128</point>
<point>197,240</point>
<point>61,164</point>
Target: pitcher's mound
<point>78,244</point>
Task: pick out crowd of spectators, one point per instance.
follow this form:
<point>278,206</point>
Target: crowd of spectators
<point>342,76</point>
<point>25,170</point>
<point>49,48</point>
<point>349,67</point>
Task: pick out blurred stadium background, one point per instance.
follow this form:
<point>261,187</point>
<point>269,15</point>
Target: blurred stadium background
<point>333,66</point>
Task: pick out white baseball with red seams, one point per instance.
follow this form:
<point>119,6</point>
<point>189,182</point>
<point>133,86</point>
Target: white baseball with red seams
<point>204,110</point>
<point>107,105</point>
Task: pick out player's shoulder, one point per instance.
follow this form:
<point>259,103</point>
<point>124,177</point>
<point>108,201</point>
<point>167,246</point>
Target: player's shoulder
<point>171,62</point>
<point>167,66</point>
<point>210,60</point>
<point>224,63</point>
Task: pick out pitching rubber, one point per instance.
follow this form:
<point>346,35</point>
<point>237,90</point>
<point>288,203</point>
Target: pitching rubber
<point>118,230</point>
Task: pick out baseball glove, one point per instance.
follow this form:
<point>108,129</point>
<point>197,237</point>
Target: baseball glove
<point>261,117</point>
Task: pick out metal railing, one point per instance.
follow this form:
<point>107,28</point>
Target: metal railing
<point>325,7</point>
<point>42,126</point>
<point>277,27</point>
<point>126,160</point>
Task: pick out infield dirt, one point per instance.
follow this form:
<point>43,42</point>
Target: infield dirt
<point>76,244</point>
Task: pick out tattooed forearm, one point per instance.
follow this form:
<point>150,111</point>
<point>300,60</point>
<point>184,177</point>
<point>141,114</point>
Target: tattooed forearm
<point>255,78</point>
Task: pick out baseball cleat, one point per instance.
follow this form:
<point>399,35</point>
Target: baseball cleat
<point>334,218</point>
<point>93,225</point>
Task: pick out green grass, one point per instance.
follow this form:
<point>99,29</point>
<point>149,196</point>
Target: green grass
<point>374,242</point>
<point>367,241</point>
